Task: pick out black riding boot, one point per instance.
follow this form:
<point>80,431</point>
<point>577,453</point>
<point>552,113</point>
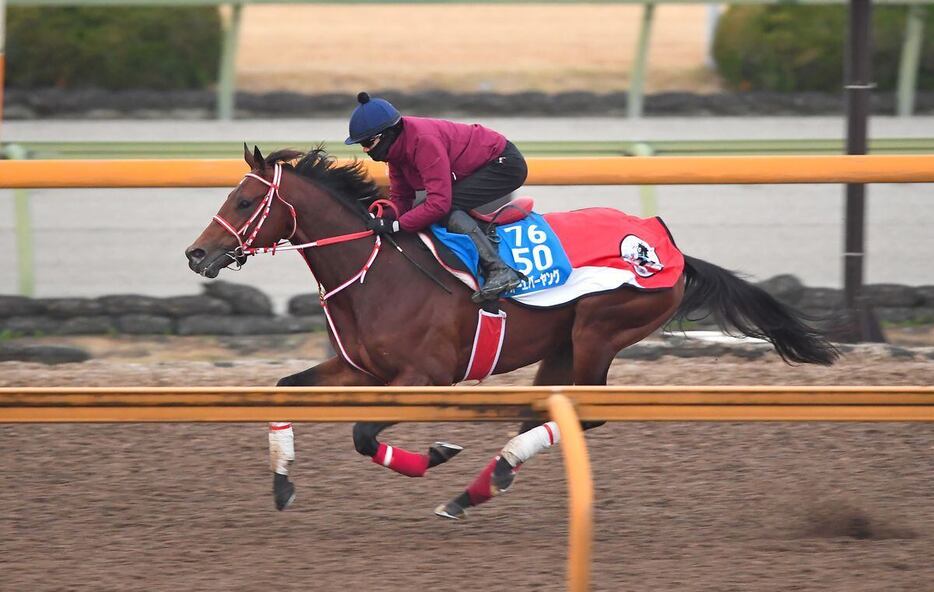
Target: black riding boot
<point>499,277</point>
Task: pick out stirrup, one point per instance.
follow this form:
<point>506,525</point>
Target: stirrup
<point>479,298</point>
<point>486,294</point>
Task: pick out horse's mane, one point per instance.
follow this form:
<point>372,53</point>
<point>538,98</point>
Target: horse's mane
<point>348,183</point>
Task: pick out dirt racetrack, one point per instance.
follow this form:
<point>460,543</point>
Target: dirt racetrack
<point>679,506</point>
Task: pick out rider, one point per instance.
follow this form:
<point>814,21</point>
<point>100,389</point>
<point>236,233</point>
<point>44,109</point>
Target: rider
<point>459,166</point>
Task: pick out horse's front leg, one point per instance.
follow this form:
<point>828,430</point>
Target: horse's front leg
<point>334,372</point>
<point>411,464</point>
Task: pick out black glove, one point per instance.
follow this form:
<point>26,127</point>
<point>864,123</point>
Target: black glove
<point>382,225</point>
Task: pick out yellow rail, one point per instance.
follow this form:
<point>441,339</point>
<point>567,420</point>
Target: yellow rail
<point>658,170</point>
<point>328,404</point>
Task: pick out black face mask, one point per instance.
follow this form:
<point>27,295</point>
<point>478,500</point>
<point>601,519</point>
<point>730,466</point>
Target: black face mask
<point>381,150</point>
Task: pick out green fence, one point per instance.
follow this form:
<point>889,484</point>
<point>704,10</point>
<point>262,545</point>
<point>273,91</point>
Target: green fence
<point>221,149</point>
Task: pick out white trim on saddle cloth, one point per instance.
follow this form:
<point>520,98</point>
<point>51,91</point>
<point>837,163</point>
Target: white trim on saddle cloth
<point>581,281</point>
<point>465,277</point>
<point>487,344</point>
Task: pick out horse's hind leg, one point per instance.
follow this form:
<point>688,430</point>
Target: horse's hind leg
<point>533,437</point>
<point>600,331</point>
<point>603,326</point>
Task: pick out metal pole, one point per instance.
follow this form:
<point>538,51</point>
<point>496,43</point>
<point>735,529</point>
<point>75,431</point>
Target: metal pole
<point>858,87</point>
<point>910,60</point>
<point>637,84</point>
<point>22,223</point>
<point>647,197</point>
<point>2,55</point>
<point>713,19</point>
<point>226,80</point>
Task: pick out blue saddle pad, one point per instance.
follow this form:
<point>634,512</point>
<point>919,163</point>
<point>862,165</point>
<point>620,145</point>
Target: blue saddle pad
<point>529,246</point>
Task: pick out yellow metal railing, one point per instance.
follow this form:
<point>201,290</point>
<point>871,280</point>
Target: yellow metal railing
<point>656,170</point>
<point>593,403</point>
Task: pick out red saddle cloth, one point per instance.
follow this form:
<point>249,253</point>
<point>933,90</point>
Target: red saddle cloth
<point>604,238</point>
<point>607,249</point>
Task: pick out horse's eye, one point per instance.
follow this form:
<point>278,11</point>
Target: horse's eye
<point>244,203</point>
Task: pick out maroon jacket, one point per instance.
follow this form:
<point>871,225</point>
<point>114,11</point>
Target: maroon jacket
<point>431,154</point>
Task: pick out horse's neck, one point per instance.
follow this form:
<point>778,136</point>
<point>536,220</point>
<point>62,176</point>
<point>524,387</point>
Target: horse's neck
<point>331,264</point>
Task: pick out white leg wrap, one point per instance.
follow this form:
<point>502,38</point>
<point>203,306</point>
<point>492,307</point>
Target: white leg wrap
<point>281,446</point>
<point>526,445</point>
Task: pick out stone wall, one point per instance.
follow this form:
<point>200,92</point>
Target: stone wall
<point>223,309</point>
<point>190,104</point>
<point>232,309</point>
<point>892,303</point>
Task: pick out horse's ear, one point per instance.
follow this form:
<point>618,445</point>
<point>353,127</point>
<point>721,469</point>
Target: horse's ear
<point>254,159</point>
<point>248,157</point>
<point>258,157</point>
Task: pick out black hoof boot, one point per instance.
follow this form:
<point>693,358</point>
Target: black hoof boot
<point>442,452</point>
<point>503,476</point>
<point>283,491</point>
<point>451,510</point>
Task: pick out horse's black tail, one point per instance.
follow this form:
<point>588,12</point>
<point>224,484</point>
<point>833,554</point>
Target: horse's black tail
<point>737,304</point>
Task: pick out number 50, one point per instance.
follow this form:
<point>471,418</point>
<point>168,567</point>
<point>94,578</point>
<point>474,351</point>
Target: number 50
<point>541,258</point>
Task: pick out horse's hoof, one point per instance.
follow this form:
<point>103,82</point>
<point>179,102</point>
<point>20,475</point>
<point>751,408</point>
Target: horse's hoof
<point>442,452</point>
<point>283,491</point>
<point>502,478</point>
<point>451,510</point>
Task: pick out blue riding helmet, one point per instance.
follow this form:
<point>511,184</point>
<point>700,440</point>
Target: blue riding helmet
<point>371,117</point>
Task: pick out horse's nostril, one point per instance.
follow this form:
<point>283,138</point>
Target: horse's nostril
<point>194,254</point>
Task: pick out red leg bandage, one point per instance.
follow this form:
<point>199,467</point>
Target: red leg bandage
<point>479,490</point>
<point>401,461</point>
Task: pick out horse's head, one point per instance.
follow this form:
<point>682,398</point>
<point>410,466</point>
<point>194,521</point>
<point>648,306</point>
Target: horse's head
<point>253,216</point>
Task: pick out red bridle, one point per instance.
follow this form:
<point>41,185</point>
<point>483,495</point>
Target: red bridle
<point>262,212</point>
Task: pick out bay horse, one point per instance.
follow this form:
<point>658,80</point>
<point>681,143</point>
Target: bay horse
<point>392,324</point>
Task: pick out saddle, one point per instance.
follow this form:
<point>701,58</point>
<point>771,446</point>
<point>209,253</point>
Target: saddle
<point>504,210</point>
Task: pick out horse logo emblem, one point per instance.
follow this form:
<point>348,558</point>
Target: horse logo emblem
<point>641,255</point>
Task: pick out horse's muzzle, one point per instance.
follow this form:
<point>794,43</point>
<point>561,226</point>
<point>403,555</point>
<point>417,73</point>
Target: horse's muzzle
<point>209,267</point>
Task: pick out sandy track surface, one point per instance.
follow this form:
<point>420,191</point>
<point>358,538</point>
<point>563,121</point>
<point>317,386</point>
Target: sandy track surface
<point>678,506</point>
<point>325,48</point>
